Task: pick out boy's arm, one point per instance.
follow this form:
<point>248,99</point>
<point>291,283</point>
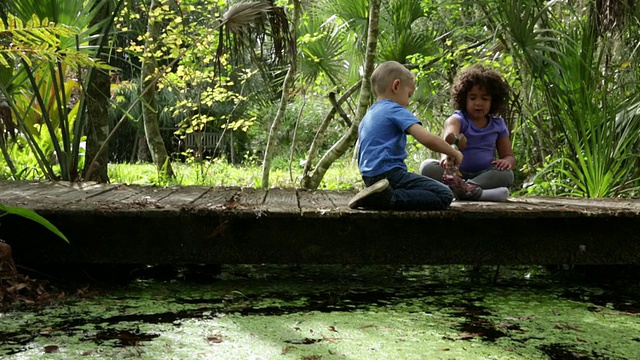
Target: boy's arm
<point>434,142</point>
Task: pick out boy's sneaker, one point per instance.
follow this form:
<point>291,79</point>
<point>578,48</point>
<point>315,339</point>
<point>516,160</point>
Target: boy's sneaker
<point>376,196</point>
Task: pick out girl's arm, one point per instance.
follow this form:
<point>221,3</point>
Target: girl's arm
<point>451,126</point>
<point>506,160</point>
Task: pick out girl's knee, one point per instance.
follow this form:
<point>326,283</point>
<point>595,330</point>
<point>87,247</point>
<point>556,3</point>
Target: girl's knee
<point>431,168</point>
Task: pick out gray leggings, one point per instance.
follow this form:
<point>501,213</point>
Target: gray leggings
<point>487,179</point>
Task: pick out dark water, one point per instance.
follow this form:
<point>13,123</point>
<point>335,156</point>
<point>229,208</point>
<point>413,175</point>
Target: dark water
<point>336,312</point>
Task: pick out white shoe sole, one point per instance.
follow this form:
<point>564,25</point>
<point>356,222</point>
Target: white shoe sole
<point>379,186</point>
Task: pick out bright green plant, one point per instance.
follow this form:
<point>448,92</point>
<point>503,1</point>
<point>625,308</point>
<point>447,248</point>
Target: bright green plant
<point>589,92</point>
<point>49,48</point>
<point>31,215</point>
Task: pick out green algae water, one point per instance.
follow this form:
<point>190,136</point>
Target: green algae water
<point>336,312</point>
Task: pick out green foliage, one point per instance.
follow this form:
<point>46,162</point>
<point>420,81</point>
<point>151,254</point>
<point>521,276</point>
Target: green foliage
<point>199,88</point>
<point>41,39</point>
<point>586,94</point>
<point>49,51</point>
<point>31,215</point>
<point>344,175</point>
<point>321,44</point>
<point>574,111</point>
<point>406,32</point>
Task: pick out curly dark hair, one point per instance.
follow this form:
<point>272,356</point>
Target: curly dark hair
<point>485,77</point>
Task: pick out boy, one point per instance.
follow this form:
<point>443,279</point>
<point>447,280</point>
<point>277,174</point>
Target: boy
<point>383,136</point>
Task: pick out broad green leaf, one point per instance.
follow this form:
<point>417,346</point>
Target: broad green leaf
<point>32,215</point>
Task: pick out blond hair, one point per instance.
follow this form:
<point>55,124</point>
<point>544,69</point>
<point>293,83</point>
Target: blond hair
<point>385,73</point>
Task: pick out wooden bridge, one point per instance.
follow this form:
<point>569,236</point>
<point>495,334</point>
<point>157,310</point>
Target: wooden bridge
<point>124,224</point>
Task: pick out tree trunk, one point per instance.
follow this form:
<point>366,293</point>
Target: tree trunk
<point>6,125</point>
<point>289,80</point>
<point>348,139</point>
<point>149,105</point>
<point>98,114</point>
<point>317,140</point>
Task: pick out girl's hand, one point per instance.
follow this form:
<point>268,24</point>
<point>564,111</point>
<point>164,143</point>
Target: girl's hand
<point>507,163</point>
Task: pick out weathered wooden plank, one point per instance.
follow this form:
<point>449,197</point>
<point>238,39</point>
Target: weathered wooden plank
<point>30,193</point>
<point>184,195</point>
<point>115,193</point>
<point>314,203</point>
<point>44,195</point>
<point>215,199</point>
<point>85,192</point>
<point>149,197</point>
<point>281,201</point>
<point>340,200</point>
<point>249,197</point>
<point>583,204</point>
<point>249,202</point>
<point>70,193</point>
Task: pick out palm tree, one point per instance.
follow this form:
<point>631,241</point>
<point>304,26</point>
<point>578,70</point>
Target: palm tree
<point>287,85</point>
<point>97,103</point>
<point>40,92</point>
<point>347,140</point>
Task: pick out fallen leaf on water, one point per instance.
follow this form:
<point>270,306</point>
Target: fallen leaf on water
<point>305,341</point>
<point>329,339</point>
<point>567,327</point>
<point>375,327</point>
<point>216,339</point>
<point>287,349</point>
<point>51,349</point>
<point>468,336</point>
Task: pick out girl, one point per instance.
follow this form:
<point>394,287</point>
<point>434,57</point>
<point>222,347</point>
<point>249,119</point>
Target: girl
<point>478,94</point>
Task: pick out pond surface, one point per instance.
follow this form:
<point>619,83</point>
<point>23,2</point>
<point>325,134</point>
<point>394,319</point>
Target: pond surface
<point>336,312</point>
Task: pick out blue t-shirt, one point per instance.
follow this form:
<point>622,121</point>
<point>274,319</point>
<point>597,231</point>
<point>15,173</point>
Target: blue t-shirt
<point>383,137</point>
<point>481,142</point>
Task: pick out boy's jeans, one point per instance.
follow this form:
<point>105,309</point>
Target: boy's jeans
<point>414,192</point>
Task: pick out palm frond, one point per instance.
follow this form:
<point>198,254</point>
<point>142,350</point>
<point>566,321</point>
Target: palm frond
<point>322,49</point>
<point>244,13</point>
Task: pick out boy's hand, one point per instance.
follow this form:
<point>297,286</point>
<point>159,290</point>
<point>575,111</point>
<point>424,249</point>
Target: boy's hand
<point>456,157</point>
